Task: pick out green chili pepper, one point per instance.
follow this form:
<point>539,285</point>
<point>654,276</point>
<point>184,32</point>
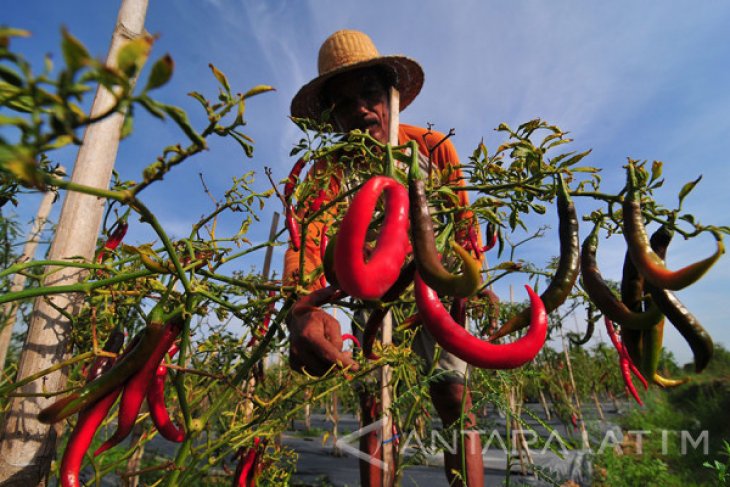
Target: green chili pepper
<point>568,265</point>
<point>428,262</point>
<point>603,297</point>
<point>649,264</point>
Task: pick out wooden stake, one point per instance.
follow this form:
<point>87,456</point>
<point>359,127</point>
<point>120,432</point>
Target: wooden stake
<point>386,391</point>
<point>28,446</point>
<point>10,310</point>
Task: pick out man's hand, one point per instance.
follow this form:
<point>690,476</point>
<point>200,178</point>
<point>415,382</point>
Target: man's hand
<point>316,343</point>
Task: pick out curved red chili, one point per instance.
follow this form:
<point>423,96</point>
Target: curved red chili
<point>568,265</point>
<point>292,226</point>
<point>265,323</point>
<point>158,408</point>
<point>648,263</point>
<point>370,280</point>
<point>135,388</point>
<point>81,437</point>
<point>90,418</point>
<point>370,333</point>
<point>246,472</point>
<point>349,336</point>
<point>116,235</point>
<point>458,311</point>
<point>471,349</point>
<point>293,179</point>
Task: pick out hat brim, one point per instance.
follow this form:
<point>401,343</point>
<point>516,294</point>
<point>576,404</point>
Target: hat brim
<point>408,80</point>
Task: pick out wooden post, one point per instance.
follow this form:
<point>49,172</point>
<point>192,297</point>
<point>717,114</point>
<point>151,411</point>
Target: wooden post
<point>386,390</point>
<point>10,310</point>
<point>251,384</point>
<point>28,446</point>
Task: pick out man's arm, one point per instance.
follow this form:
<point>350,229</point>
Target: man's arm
<point>315,337</point>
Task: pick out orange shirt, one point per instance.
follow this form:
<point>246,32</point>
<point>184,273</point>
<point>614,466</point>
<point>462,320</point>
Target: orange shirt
<point>445,155</point>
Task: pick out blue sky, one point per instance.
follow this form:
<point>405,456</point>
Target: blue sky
<point>646,80</point>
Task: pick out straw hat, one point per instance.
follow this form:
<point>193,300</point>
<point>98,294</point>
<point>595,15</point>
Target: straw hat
<point>347,50</point>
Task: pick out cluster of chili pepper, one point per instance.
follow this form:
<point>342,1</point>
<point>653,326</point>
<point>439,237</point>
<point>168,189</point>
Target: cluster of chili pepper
<point>382,276</point>
<point>646,297</point>
<point>133,377</point>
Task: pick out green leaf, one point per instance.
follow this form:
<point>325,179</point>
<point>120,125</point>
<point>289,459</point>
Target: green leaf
<point>257,90</point>
<point>656,170</point>
<point>74,52</point>
<point>687,188</point>
<point>133,54</point>
<point>576,158</point>
<point>221,78</point>
<point>160,73</point>
<point>10,76</point>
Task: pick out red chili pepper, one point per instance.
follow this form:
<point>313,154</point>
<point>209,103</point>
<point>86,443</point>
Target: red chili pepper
<point>323,242</point>
<point>471,349</point>
<point>90,418</point>
<point>246,472</point>
<point>156,402</point>
<point>458,311</point>
<point>264,324</point>
<point>473,243</point>
<point>491,237</point>
<point>372,326</point>
<point>626,364</point>
<point>649,264</point>
<point>293,179</point>
<point>318,201</point>
<point>136,387</point>
<point>140,350</point>
<point>116,235</point>
<point>88,422</point>
<point>348,336</point>
<point>370,280</point>
<point>292,226</point>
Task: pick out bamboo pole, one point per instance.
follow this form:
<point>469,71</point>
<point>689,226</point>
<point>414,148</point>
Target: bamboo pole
<point>28,446</point>
<point>386,390</point>
<point>10,310</point>
<point>251,384</point>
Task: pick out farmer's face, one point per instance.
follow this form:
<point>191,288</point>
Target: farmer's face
<point>360,101</point>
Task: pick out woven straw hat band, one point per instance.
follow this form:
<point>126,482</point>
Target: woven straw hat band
<point>343,48</point>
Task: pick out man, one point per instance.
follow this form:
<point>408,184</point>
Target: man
<point>353,86</point>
